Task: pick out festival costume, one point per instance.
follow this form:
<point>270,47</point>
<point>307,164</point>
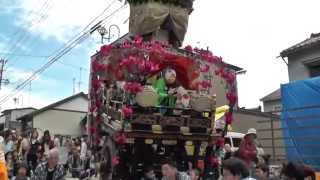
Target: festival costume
<point>3,168</point>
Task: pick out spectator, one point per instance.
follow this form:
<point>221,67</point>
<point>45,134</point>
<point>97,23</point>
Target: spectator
<point>262,171</point>
<point>194,174</point>
<point>50,170</point>
<point>295,171</point>
<point>46,143</point>
<point>228,151</point>
<point>149,174</point>
<point>1,138</point>
<point>8,142</point>
<point>74,163</point>
<point>34,149</point>
<point>24,147</point>
<point>56,142</point>
<point>22,172</point>
<point>170,172</point>
<point>248,149</point>
<point>84,147</point>
<point>235,169</point>
<point>10,162</point>
<point>68,144</point>
<point>214,157</point>
<point>106,168</point>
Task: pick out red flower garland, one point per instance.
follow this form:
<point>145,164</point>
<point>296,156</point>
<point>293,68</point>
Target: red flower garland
<point>231,77</point>
<point>188,48</point>
<point>205,68</point>
<point>105,50</point>
<point>133,87</point>
<point>206,84</point>
<point>138,63</point>
<point>127,111</point>
<point>121,138</point>
<point>232,98</point>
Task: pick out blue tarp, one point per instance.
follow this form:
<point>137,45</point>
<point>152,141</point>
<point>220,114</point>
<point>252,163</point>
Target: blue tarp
<point>301,121</point>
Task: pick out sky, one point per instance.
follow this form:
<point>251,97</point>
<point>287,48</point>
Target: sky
<point>248,33</point>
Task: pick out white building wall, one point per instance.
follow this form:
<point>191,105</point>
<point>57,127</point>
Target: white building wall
<point>2,119</point>
<point>271,106</point>
<point>59,122</point>
<point>78,104</point>
<point>18,113</point>
<point>296,67</point>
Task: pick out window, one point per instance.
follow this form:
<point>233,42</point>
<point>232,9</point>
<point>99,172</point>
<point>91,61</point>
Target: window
<point>277,108</point>
<point>314,71</point>
<point>236,142</point>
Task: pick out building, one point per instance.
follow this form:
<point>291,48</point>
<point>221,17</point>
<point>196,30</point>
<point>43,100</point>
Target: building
<point>303,60</point>
<point>63,117</point>
<point>272,102</point>
<point>8,119</point>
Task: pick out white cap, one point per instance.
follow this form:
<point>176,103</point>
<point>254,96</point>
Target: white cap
<point>252,131</point>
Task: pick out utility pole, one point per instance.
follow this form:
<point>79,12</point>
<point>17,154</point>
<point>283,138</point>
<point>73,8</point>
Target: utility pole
<point>79,84</point>
<point>2,81</point>
<point>2,62</point>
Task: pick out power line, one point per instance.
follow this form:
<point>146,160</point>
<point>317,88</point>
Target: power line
<point>60,54</point>
<point>72,66</point>
<point>25,35</point>
<point>23,55</point>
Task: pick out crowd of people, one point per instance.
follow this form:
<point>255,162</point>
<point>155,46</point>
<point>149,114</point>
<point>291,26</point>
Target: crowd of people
<point>25,157</point>
<point>247,163</point>
<point>47,157</point>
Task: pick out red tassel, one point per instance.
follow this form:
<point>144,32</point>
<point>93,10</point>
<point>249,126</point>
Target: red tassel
<point>228,118</point>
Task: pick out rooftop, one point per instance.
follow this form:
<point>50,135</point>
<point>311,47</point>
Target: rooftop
<point>275,95</point>
<point>312,41</point>
<point>17,109</point>
<point>81,94</point>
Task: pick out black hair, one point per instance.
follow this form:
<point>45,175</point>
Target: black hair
<point>46,132</point>
<point>236,167</point>
<point>169,162</point>
<point>297,171</point>
<point>148,169</point>
<point>264,167</point>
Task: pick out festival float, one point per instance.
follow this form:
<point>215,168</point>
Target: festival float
<point>151,100</point>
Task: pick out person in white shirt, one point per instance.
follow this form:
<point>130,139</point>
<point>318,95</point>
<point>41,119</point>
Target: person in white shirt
<point>84,147</point>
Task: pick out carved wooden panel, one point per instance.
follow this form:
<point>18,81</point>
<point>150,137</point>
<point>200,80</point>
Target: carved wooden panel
<point>172,121</point>
<point>145,119</point>
<point>198,123</point>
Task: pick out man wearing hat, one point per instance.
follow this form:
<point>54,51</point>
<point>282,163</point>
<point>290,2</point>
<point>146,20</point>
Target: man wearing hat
<point>248,148</point>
